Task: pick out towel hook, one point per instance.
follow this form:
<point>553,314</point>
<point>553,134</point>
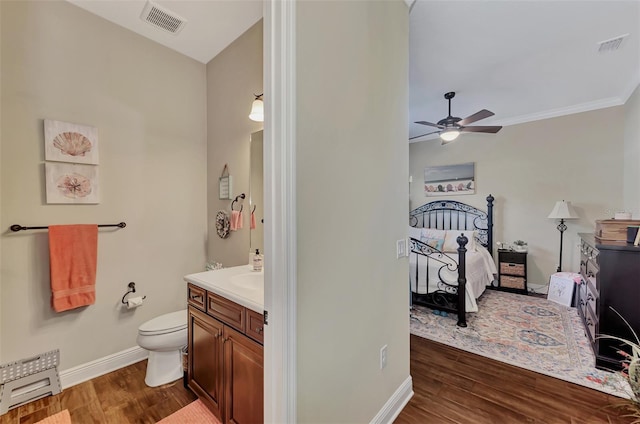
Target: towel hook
<point>241,196</point>
<point>254,209</point>
<point>132,289</point>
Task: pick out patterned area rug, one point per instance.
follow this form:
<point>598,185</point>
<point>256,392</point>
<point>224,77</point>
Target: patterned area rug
<point>194,413</point>
<point>59,418</point>
<point>525,331</point>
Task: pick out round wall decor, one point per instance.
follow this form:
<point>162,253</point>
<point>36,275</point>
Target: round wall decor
<point>222,224</point>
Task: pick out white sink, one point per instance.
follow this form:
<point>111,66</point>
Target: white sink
<point>248,281</point>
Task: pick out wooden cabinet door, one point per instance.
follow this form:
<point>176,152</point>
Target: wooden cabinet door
<point>206,371</point>
<point>244,371</point>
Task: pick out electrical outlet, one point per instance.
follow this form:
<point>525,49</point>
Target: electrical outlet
<point>401,248</point>
<point>383,357</point>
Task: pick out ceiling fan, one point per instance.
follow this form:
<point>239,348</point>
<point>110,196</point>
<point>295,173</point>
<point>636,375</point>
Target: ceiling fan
<point>450,127</point>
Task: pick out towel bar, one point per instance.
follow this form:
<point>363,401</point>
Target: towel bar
<point>17,227</point>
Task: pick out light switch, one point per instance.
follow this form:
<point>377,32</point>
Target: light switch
<point>401,248</point>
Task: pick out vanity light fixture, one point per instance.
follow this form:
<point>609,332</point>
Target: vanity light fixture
<point>257,109</point>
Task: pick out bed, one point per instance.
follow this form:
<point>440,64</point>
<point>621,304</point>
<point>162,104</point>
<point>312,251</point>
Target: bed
<point>451,258</point>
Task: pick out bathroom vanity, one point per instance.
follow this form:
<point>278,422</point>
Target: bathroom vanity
<point>225,333</point>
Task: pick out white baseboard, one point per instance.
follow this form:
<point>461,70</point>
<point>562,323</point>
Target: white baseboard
<point>93,369</point>
<point>395,404</point>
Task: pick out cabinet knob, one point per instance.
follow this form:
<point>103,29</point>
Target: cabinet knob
<point>259,330</point>
<point>196,296</point>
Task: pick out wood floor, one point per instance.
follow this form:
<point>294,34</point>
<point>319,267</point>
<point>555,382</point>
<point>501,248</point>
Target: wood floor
<point>453,386</point>
<point>120,397</point>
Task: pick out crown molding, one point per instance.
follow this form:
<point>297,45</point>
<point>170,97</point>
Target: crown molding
<point>555,113</point>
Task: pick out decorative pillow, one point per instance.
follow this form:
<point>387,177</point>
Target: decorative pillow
<point>451,240</point>
<point>433,242</point>
<point>434,238</point>
<point>415,233</point>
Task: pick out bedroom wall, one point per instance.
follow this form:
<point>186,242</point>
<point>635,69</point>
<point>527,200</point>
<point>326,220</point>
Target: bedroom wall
<point>351,189</point>
<point>233,76</point>
<point>530,166</point>
<point>61,62</point>
<point>632,154</point>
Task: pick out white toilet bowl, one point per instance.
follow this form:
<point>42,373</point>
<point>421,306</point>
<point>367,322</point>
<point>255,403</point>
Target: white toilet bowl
<point>164,337</point>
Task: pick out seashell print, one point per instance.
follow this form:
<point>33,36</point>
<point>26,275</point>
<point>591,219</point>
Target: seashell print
<point>72,143</point>
<point>74,185</point>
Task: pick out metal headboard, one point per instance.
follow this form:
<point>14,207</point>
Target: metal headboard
<point>452,215</point>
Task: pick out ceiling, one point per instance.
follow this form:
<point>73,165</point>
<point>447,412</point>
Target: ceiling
<point>523,60</point>
<point>212,24</point>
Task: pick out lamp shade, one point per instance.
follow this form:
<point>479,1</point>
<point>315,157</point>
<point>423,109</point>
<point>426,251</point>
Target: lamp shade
<point>257,111</point>
<point>562,210</point>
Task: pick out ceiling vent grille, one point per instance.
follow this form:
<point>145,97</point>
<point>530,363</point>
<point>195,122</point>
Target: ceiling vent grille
<point>162,18</point>
<point>612,44</point>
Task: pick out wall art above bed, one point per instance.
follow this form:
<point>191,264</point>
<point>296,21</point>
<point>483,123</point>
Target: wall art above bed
<point>450,180</point>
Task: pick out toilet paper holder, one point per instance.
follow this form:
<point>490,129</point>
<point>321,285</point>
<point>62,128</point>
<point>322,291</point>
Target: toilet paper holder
<point>132,289</point>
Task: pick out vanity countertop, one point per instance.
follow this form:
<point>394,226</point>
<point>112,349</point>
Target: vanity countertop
<point>239,284</point>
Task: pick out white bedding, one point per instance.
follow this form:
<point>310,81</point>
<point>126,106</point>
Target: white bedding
<point>480,270</point>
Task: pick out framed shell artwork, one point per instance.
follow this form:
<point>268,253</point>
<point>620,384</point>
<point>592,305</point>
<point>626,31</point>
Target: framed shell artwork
<point>71,183</point>
<point>66,142</point>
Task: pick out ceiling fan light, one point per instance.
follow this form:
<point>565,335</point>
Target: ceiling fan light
<point>449,135</point>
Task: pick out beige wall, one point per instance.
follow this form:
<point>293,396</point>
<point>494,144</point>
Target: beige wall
<point>148,104</point>
<point>632,154</point>
<point>351,189</point>
<point>233,76</point>
<point>527,168</point>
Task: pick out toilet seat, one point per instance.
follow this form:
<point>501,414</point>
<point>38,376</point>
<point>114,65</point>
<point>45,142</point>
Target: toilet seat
<point>165,324</point>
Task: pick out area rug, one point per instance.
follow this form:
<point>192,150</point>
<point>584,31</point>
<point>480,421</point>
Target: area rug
<point>525,331</point>
<point>59,418</point>
<point>194,413</point>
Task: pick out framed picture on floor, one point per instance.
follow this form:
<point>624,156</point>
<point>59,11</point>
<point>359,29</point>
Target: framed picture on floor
<point>561,287</point>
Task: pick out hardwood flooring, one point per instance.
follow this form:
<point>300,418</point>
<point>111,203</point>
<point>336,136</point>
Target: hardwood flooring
<point>120,397</point>
<point>450,385</point>
<point>453,386</point>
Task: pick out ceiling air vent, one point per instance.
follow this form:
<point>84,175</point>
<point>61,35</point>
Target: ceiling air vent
<point>162,18</point>
<point>612,44</point>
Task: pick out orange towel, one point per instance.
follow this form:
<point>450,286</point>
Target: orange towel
<point>73,253</point>
<point>240,219</point>
<point>253,221</point>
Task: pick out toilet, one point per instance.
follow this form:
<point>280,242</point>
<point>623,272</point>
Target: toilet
<point>164,337</point>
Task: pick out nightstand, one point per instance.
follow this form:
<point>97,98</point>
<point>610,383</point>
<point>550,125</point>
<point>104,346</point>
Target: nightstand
<point>512,271</point>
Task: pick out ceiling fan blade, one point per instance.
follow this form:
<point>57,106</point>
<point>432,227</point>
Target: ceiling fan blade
<point>484,113</point>
<point>418,136</point>
<point>430,124</point>
<point>482,129</point>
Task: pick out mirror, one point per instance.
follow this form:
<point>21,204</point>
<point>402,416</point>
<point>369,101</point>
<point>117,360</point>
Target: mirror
<point>256,196</point>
